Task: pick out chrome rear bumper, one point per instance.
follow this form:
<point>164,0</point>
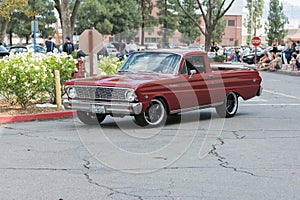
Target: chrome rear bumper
<point>259,92</point>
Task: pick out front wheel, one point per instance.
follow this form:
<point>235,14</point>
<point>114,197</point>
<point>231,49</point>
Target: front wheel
<point>90,118</point>
<point>229,107</point>
<point>155,114</point>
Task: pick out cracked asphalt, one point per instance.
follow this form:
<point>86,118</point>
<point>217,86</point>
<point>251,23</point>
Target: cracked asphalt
<point>254,155</point>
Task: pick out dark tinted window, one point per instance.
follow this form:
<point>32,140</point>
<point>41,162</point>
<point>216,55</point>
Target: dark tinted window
<point>195,62</point>
<point>231,22</point>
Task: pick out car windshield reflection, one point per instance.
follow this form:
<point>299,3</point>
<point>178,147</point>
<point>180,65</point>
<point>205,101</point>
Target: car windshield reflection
<point>150,62</point>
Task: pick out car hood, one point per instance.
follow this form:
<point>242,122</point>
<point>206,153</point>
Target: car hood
<point>123,79</point>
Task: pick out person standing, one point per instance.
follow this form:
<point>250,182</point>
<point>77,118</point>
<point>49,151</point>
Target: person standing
<point>50,45</point>
<point>122,49</point>
<point>274,47</point>
<point>287,51</point>
<point>132,47</point>
<point>68,46</point>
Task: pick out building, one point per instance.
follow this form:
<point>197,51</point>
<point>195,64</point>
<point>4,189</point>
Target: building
<point>233,31</point>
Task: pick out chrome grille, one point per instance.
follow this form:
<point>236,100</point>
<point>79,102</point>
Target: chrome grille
<point>101,93</point>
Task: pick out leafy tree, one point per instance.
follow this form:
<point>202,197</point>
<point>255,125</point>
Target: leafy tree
<point>212,12</point>
<point>98,17</point>
<point>219,32</point>
<point>186,26</point>
<point>115,18</point>
<point>67,11</point>
<point>146,7</point>
<point>167,19</point>
<point>255,8</point>
<point>126,19</point>
<point>276,21</point>
<point>6,9</point>
<point>42,11</point>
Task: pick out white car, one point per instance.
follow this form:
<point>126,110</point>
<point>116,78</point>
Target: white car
<point>26,48</point>
<point>152,46</point>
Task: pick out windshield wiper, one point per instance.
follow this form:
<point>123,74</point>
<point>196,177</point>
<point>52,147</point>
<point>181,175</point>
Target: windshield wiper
<point>125,71</point>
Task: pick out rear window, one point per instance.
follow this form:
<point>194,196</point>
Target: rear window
<point>196,62</point>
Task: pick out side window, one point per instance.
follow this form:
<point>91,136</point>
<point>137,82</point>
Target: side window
<point>196,62</point>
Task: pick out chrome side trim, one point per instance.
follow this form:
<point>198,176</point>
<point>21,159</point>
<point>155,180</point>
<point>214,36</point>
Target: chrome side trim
<point>196,108</point>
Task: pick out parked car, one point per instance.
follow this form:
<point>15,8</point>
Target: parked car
<point>3,52</point>
<point>152,46</point>
<point>153,84</point>
<point>250,59</point>
<point>112,50</point>
<point>26,48</point>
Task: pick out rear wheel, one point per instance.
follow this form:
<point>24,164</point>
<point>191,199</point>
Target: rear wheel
<point>90,118</point>
<point>229,107</point>
<point>155,114</point>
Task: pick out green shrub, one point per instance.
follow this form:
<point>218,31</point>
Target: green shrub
<point>29,77</point>
<point>109,65</point>
<point>219,58</point>
<point>65,64</point>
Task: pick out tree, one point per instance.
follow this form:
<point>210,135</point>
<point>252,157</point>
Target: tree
<point>6,9</point>
<point>98,17</point>
<point>212,12</point>
<point>276,21</point>
<point>217,35</point>
<point>67,14</point>
<point>167,18</point>
<point>115,18</point>
<point>126,20</point>
<point>186,26</point>
<point>42,11</point>
<point>146,7</point>
<point>255,8</point>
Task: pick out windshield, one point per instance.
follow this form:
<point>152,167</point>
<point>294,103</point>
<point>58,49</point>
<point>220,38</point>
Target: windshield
<point>164,63</point>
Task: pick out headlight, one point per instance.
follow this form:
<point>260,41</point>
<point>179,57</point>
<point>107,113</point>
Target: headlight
<point>130,95</point>
<point>71,92</point>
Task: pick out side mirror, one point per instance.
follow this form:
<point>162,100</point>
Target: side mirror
<point>192,72</point>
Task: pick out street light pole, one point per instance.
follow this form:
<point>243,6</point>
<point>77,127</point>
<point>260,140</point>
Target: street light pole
<point>34,35</point>
<point>34,29</point>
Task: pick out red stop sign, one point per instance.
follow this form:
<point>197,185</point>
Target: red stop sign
<point>255,41</point>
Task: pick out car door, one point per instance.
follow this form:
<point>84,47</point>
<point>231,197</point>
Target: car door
<point>193,83</point>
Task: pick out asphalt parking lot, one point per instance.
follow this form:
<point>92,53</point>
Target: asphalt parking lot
<point>254,155</point>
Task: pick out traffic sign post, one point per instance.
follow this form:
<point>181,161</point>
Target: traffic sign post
<point>91,42</point>
<point>255,41</point>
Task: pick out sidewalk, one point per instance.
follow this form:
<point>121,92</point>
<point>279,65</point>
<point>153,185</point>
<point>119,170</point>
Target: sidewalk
<point>281,71</point>
<point>288,72</point>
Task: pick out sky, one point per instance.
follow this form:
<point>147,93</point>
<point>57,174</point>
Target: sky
<point>293,2</point>
<point>291,8</point>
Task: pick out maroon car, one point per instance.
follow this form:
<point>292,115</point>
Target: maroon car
<point>151,85</point>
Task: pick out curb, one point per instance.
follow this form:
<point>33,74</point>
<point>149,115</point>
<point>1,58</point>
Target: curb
<point>38,116</point>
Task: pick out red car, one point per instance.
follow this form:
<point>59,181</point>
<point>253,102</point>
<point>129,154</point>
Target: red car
<point>151,85</point>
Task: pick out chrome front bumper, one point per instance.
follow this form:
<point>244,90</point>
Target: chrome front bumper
<point>104,107</point>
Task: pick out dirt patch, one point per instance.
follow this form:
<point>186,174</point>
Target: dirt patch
<point>7,109</point>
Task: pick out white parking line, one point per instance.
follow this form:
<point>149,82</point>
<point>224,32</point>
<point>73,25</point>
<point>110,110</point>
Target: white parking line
<point>281,94</point>
<point>270,104</point>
